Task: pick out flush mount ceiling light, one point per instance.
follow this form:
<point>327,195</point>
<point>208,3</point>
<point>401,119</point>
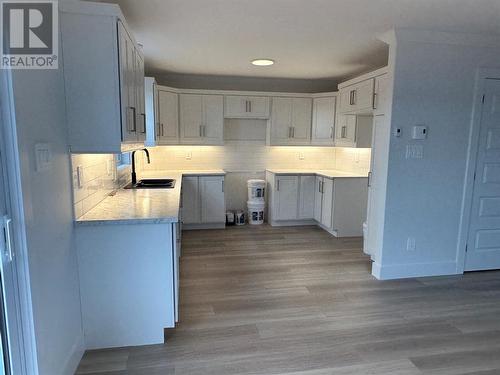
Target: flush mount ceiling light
<point>262,62</point>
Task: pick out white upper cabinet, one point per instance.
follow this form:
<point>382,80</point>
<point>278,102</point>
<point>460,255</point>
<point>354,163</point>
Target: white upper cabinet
<point>381,100</point>
<point>354,131</point>
<point>236,106</point>
<point>323,123</point>
<point>357,98</point>
<point>103,77</point>
<point>291,121</point>
<point>201,119</point>
<point>168,117</point>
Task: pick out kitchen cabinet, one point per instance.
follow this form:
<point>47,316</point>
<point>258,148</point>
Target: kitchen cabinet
<point>201,119</point>
<point>381,93</point>
<point>357,98</point>
<point>354,131</point>
<point>236,106</point>
<point>307,197</point>
<point>151,106</point>
<point>336,204</point>
<point>128,297</point>
<point>190,200</point>
<point>286,198</point>
<point>291,121</point>
<point>108,110</point>
<point>323,122</point>
<point>168,118</point>
<point>212,199</point>
<point>203,202</point>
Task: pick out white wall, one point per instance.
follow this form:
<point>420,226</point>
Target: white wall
<point>39,103</point>
<point>433,85</point>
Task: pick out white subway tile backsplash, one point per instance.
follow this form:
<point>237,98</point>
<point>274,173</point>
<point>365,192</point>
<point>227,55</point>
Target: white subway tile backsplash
<point>96,182</point>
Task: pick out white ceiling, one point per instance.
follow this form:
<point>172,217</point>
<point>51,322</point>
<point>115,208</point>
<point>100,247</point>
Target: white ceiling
<point>310,39</point>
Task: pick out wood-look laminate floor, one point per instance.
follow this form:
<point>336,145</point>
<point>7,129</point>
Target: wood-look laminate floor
<point>263,300</point>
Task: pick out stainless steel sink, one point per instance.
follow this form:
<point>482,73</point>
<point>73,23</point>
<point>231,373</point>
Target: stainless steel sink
<point>152,183</point>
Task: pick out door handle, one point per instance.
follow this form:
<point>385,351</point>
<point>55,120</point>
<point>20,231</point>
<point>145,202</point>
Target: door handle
<point>143,123</point>
<point>8,240</point>
<point>134,129</point>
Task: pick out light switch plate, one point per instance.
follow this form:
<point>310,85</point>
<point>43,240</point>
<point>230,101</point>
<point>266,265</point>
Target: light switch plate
<point>189,155</point>
<point>419,132</point>
<point>43,156</point>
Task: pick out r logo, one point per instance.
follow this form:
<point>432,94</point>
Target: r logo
<point>27,28</point>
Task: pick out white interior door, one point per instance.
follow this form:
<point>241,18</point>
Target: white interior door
<point>483,245</point>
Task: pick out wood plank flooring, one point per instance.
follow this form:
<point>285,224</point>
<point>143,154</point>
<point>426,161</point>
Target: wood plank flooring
<point>263,300</point>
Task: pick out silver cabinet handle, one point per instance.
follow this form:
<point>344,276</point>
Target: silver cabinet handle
<point>134,129</point>
<point>319,186</point>
<point>293,131</point>
<point>375,100</point>
<point>249,106</point>
<point>201,131</point>
<point>277,185</point>
<point>331,132</point>
<point>158,127</point>
<point>223,186</point>
<point>8,240</point>
<point>143,123</point>
<point>204,130</point>
<point>162,130</point>
<point>369,183</point>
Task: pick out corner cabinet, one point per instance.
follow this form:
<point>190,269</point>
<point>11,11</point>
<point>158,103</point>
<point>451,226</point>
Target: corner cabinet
<point>103,77</point>
<point>290,121</point>
<point>203,202</point>
<point>201,119</point>
<point>357,97</point>
<point>323,121</point>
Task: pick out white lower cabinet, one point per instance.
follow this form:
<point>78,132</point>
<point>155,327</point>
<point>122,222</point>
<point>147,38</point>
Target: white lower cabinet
<point>203,201</point>
<point>306,197</point>
<point>128,297</point>
<point>287,195</point>
<point>338,205</point>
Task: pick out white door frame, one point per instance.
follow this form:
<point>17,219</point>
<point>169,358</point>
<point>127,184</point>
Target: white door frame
<point>8,137</point>
<point>472,150</point>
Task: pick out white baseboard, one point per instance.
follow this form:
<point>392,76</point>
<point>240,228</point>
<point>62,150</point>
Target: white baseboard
<point>75,356</point>
<point>401,271</point>
<point>203,226</point>
<point>292,223</point>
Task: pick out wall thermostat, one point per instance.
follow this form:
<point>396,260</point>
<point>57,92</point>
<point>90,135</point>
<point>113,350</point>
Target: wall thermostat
<point>397,132</point>
<point>419,132</point>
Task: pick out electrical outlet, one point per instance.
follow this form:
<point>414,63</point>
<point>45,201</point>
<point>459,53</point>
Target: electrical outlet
<point>301,156</point>
<point>189,155</point>
<point>411,244</point>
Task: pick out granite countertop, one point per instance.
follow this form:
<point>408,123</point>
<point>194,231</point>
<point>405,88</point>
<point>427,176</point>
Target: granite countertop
<point>329,173</point>
<point>141,206</point>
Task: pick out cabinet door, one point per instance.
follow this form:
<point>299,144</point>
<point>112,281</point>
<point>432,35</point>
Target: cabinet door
<point>213,119</point>
<point>213,208</point>
<point>191,118</point>
<point>345,134</point>
<point>127,85</point>
<point>139,89</point>
<point>168,122</point>
<point>318,198</point>
<point>327,203</point>
<point>177,253</point>
<point>190,200</point>
<point>235,106</point>
<point>323,121</point>
<point>287,195</point>
<point>301,120</point>
<point>306,197</point>
<point>281,121</point>
<point>380,98</point>
<point>258,106</point>
<point>346,95</point>
<point>363,95</point>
